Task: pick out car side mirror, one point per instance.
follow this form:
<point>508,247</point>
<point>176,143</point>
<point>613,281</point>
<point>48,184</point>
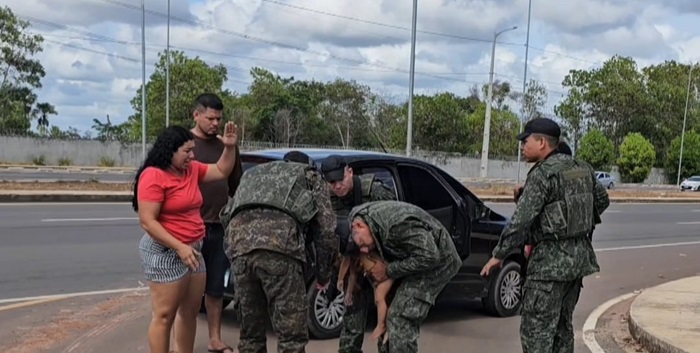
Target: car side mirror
<point>482,211</point>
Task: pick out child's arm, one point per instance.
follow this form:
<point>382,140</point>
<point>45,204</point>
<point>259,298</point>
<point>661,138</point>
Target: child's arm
<point>344,266</point>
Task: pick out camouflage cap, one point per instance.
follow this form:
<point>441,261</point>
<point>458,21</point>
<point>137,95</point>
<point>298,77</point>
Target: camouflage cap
<point>564,148</point>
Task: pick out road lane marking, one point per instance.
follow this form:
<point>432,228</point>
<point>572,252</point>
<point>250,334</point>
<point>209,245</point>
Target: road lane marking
<point>30,303</point>
<point>71,295</point>
<point>651,246</point>
<point>90,219</point>
<point>687,223</point>
<point>589,326</point>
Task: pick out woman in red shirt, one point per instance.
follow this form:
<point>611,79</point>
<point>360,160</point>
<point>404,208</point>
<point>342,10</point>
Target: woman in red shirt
<point>167,199</point>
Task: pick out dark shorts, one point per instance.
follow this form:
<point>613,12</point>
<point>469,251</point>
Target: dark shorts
<point>215,259</point>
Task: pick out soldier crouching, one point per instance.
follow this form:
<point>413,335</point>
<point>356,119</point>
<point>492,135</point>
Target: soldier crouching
<point>276,205</point>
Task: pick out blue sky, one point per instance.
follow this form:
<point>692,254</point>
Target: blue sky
<point>85,80</point>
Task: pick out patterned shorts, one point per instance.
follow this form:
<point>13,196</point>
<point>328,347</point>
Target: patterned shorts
<point>161,264</point>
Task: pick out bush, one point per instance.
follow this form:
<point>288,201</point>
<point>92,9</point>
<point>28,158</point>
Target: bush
<point>691,157</point>
<point>597,150</point>
<point>637,157</point>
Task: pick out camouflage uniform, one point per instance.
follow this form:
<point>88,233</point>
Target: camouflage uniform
<point>421,256</point>
<point>558,206</point>
<point>267,246</point>
<point>352,333</point>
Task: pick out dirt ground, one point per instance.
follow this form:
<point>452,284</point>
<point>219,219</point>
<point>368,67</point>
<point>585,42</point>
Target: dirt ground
<point>493,190</point>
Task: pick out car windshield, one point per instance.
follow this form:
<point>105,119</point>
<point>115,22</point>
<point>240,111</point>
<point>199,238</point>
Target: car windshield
<point>695,178</point>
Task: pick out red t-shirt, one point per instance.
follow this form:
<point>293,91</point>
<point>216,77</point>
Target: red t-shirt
<point>180,199</point>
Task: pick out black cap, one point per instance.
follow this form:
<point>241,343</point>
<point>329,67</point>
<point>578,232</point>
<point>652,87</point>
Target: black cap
<point>564,148</point>
<point>333,168</point>
<point>297,156</point>
<point>542,126</point>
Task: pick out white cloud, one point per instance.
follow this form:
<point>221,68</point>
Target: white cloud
<point>367,40</point>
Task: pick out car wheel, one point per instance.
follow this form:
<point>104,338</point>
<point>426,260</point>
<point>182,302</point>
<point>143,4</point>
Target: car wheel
<point>325,318</point>
<point>505,291</point>
<point>611,185</point>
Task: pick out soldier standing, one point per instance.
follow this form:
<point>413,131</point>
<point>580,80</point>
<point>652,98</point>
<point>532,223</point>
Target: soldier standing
<point>420,255</point>
<point>351,190</point>
<point>275,206</point>
<point>557,207</point>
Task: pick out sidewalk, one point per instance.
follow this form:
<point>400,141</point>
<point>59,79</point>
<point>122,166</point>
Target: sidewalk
<point>666,318</point>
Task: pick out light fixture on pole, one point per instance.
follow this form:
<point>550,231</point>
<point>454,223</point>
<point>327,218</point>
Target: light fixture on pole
<point>522,109</point>
<point>143,78</point>
<point>409,129</point>
<point>685,118</point>
<point>167,72</point>
<point>487,119</point>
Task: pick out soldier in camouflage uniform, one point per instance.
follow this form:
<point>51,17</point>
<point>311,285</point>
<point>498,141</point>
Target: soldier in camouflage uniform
<point>350,190</point>
<point>557,206</point>
<point>421,258</point>
<point>275,206</point>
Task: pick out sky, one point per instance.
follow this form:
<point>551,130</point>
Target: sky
<point>92,49</point>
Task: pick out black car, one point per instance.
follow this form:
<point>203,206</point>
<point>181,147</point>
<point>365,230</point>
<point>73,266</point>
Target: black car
<point>474,227</point>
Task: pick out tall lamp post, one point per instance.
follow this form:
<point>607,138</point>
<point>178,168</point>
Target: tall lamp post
<point>487,120</point>
<point>527,50</point>
<point>409,129</point>
<point>167,72</point>
<point>143,78</point>
<point>685,118</point>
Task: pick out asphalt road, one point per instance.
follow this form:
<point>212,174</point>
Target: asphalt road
<point>50,249</point>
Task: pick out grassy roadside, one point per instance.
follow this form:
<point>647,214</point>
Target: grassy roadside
<point>492,190</point>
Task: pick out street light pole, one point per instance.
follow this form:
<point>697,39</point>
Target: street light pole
<point>487,120</point>
<point>409,129</point>
<point>522,108</point>
<point>143,78</point>
<point>685,118</point>
<point>167,72</point>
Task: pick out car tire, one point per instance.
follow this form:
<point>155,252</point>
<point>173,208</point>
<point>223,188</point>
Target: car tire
<point>611,185</point>
<point>325,319</point>
<point>504,296</point>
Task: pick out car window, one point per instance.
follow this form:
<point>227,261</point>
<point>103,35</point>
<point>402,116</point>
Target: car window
<point>423,189</point>
<point>381,173</point>
<point>694,178</point>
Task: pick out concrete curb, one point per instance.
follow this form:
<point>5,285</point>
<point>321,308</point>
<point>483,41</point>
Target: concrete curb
<point>96,196</point>
<point>659,319</point>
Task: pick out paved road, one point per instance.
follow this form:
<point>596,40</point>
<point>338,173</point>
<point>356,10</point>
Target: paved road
<point>50,249</point>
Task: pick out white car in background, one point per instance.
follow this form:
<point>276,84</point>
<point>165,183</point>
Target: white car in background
<point>605,179</point>
<point>692,183</point>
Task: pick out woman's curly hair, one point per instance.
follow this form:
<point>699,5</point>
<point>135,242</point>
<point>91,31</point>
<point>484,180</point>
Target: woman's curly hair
<point>161,154</point>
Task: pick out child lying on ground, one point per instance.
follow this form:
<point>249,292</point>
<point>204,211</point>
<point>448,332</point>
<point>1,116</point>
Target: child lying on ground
<point>363,263</point>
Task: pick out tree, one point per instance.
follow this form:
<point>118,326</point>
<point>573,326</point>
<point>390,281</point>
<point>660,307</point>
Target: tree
<point>637,156</point>
<point>502,90</point>
<point>533,101</point>
<point>20,75</point>
<point>504,128</point>
<point>596,149</point>
<point>189,77</point>
<point>691,156</point>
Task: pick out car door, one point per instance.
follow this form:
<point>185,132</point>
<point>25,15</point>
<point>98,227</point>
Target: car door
<point>424,188</point>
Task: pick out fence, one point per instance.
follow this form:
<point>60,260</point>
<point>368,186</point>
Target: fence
<point>84,152</point>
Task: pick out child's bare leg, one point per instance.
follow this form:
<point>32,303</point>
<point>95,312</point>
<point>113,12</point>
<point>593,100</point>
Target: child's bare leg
<point>380,294</point>
<point>344,267</point>
<point>352,282</point>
